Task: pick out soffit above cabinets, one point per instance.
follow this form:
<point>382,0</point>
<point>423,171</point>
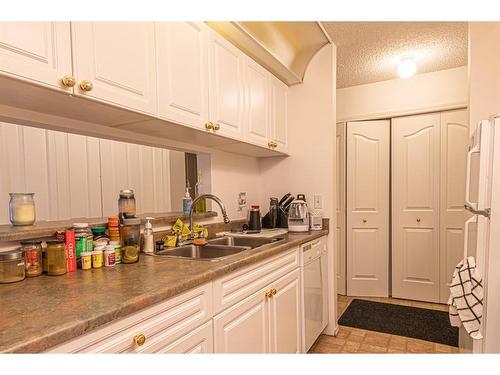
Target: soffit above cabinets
<point>284,48</point>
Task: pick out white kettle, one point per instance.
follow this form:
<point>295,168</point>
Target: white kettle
<point>298,215</point>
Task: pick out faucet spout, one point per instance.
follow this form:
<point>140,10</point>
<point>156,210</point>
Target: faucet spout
<point>196,200</point>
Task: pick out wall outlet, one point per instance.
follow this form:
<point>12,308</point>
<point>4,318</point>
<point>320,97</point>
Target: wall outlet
<point>242,200</point>
<point>318,201</point>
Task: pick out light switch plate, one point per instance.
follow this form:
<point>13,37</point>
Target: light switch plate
<point>318,201</point>
<point>242,200</point>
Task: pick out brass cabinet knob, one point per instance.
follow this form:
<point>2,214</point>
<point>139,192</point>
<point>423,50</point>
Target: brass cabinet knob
<point>274,291</point>
<point>216,126</point>
<point>270,144</point>
<point>364,221</point>
<point>418,220</point>
<point>68,81</point>
<point>86,85</point>
<point>209,125</point>
<point>139,339</point>
<point>269,293</point>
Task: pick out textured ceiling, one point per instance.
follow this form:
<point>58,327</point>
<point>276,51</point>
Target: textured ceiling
<point>370,51</point>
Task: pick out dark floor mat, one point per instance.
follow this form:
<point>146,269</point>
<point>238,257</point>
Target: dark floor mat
<point>415,322</point>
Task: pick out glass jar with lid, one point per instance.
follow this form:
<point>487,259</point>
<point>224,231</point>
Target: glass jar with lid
<point>22,208</point>
<point>131,239</point>
<point>56,257</point>
<point>32,257</point>
<point>126,205</point>
<point>12,266</point>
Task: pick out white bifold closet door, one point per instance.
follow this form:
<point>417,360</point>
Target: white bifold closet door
<point>415,206</point>
<point>428,181</point>
<point>340,235</point>
<point>368,166</point>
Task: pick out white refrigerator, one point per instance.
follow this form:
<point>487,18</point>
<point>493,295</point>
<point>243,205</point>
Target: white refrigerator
<point>482,229</point>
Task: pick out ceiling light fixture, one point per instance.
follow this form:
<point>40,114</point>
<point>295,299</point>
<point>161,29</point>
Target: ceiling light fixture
<point>407,67</point>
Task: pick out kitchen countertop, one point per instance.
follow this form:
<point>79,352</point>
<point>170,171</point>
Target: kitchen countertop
<point>45,311</point>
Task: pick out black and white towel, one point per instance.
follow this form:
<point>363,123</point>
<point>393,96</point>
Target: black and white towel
<point>466,297</point>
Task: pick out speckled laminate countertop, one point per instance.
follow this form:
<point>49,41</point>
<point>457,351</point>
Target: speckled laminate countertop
<point>45,311</point>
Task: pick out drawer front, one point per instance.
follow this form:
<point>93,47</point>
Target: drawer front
<point>198,341</point>
<point>238,285</point>
<point>164,322</point>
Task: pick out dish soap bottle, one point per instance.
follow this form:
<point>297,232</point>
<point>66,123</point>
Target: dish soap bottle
<point>186,202</point>
<point>148,245</point>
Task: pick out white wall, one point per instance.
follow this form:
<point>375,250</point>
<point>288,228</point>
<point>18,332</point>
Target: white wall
<point>484,71</point>
<point>311,167</point>
<point>484,75</point>
<point>428,92</point>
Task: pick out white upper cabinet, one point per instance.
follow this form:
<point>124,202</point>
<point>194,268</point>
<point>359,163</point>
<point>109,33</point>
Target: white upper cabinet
<point>36,51</point>
<point>226,90</point>
<point>182,55</point>
<point>257,103</point>
<point>279,121</point>
<point>115,62</point>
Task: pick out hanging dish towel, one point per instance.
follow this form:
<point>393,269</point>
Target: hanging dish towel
<point>466,297</point>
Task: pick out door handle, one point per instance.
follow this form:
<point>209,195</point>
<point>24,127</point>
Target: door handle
<point>473,150</point>
<point>473,219</point>
<point>485,213</point>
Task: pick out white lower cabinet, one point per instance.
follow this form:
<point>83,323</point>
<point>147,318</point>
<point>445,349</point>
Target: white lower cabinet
<point>268,321</point>
<point>265,318</point>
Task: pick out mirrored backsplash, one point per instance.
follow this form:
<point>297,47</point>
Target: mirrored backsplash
<point>75,176</point>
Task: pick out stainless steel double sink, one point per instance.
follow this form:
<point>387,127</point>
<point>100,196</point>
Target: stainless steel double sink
<point>218,248</point>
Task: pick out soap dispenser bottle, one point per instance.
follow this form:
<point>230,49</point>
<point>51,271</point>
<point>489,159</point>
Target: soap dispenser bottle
<point>148,244</point>
<point>186,202</point>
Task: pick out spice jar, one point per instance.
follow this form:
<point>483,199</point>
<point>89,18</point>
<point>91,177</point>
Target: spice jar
<point>97,257</point>
<point>12,266</point>
<point>131,237</point>
<point>118,251</point>
<point>126,205</point>
<point>22,208</point>
<point>32,257</point>
<point>109,256</point>
<point>86,260</point>
<point>56,257</point>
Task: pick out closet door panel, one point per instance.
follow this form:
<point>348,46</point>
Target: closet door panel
<point>415,202</point>
<point>368,208</point>
<point>454,142</point>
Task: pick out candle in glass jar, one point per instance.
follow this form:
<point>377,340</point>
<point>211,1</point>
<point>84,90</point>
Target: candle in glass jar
<point>22,208</point>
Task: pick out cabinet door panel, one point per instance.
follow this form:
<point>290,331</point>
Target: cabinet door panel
<point>243,328</point>
<point>285,314</point>
<point>226,91</point>
<point>279,119</point>
<point>198,341</point>
<point>257,104</point>
<point>119,59</point>
<point>36,51</point>
<point>183,72</point>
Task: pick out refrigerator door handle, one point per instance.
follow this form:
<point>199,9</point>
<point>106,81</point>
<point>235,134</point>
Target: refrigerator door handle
<point>485,213</point>
<point>473,150</point>
<point>473,219</point>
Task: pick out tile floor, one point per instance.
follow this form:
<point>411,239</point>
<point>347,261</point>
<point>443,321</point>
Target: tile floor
<point>355,340</point>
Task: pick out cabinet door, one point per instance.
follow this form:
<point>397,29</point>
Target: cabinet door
<point>183,72</point>
<point>415,205</point>
<point>244,327</point>
<point>226,93</point>
<point>198,341</point>
<point>279,119</point>
<point>36,51</point>
<point>257,97</point>
<point>285,315</point>
<point>118,58</point>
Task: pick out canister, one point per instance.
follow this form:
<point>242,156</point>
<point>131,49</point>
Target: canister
<point>32,257</point>
<point>118,251</point>
<point>12,266</point>
<point>109,256</point>
<point>56,257</point>
<point>97,257</point>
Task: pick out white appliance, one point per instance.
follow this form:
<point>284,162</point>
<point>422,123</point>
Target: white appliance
<point>298,215</point>
<point>483,202</point>
<point>314,274</point>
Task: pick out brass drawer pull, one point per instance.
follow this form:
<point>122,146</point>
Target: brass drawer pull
<point>269,293</point>
<point>139,339</point>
